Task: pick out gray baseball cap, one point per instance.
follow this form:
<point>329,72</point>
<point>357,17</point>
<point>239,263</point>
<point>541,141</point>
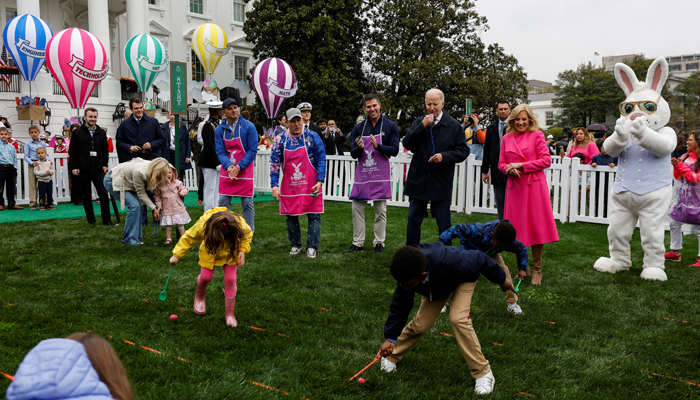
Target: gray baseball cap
<point>293,113</point>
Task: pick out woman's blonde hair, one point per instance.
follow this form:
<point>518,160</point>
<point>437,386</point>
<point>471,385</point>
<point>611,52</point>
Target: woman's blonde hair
<point>157,174</point>
<point>106,363</point>
<point>530,115</point>
<point>586,138</point>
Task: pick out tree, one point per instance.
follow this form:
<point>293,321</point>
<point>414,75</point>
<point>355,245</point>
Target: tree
<point>586,95</point>
<point>417,45</point>
<point>321,40</point>
<point>685,105</point>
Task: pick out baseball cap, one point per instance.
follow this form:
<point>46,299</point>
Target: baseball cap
<point>293,113</point>
<point>228,102</point>
<point>304,107</point>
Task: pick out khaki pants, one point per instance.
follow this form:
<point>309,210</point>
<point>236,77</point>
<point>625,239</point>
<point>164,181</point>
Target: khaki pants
<point>510,296</point>
<point>358,222</point>
<point>33,183</point>
<point>461,325</point>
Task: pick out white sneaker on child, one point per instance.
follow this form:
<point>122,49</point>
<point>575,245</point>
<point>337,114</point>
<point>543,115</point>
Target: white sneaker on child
<point>388,366</point>
<point>484,385</point>
<point>295,250</point>
<point>515,308</point>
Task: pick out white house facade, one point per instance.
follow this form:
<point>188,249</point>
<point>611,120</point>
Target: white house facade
<point>114,22</point>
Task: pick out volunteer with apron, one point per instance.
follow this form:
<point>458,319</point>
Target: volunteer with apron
<point>373,142</point>
<point>236,147</point>
<point>300,156</point>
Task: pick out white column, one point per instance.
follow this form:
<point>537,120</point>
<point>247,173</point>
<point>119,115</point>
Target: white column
<point>29,7</point>
<point>98,23</point>
<point>135,17</point>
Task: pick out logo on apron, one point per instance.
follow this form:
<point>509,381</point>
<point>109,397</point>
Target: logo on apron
<point>298,175</point>
<point>369,162</point>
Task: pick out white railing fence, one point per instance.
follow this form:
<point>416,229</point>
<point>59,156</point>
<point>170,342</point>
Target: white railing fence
<point>578,191</point>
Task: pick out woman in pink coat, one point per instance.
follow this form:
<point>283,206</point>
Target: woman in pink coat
<point>583,143</point>
<point>524,157</point>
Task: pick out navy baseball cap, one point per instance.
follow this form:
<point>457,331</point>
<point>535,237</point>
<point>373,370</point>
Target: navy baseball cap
<point>228,102</point>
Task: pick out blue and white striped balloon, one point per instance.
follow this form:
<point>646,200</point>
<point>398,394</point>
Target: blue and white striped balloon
<point>25,38</point>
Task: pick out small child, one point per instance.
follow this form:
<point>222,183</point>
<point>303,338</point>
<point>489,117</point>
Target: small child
<point>225,238</point>
<point>492,238</point>
<point>685,205</point>
<point>171,207</point>
<point>8,170</point>
<point>32,160</point>
<point>44,171</point>
<point>603,158</point>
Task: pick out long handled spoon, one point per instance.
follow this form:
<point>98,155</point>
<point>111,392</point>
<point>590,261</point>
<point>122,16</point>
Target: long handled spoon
<point>163,295</point>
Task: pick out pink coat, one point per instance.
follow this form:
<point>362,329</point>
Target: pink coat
<point>528,205</point>
<point>168,196</point>
<point>590,151</point>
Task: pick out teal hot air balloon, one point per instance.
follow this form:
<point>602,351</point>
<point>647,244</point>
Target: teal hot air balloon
<point>145,56</point>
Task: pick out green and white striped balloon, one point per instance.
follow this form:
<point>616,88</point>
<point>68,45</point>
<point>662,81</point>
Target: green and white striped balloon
<point>145,56</point>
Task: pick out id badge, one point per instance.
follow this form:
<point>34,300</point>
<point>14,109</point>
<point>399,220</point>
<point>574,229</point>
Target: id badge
<point>93,154</point>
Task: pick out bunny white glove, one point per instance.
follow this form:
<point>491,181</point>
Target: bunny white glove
<point>638,126</point>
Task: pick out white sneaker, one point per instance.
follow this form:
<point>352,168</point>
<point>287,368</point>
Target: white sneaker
<point>311,253</point>
<point>515,308</point>
<point>388,366</point>
<point>295,251</point>
<point>484,385</point>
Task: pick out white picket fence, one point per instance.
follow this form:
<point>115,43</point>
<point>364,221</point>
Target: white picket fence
<point>469,194</point>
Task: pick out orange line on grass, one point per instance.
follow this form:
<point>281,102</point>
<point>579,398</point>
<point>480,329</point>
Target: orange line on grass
<point>258,329</point>
<point>9,304</point>
<point>131,343</point>
<point>10,377</point>
<point>282,335</point>
<point>526,394</point>
<point>676,379</point>
<point>268,387</point>
<point>155,351</point>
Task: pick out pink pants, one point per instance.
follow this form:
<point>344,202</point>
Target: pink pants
<point>206,275</point>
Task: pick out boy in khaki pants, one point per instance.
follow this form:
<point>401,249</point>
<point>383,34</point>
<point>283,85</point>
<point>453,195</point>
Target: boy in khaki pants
<point>32,161</point>
<point>437,271</point>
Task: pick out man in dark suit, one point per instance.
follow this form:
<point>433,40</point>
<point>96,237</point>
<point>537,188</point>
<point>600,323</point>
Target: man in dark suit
<point>139,135</point>
<point>305,109</point>
<point>168,152</point>
<point>492,151</point>
<point>88,161</point>
<point>438,143</point>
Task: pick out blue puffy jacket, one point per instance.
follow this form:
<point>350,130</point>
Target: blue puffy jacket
<point>57,369</point>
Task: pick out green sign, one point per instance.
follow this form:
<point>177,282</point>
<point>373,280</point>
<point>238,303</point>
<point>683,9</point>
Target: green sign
<point>469,106</point>
<point>178,88</point>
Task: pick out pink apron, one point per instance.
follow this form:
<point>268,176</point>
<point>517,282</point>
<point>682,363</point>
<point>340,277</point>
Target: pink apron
<point>372,174</point>
<point>244,185</point>
<point>298,177</point>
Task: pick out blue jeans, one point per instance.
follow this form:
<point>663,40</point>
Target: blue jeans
<point>248,208</point>
<point>132,225</point>
<point>314,233</point>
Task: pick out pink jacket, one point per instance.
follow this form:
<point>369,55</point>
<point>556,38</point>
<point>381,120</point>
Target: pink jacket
<point>590,151</point>
<point>682,169</point>
<point>168,197</point>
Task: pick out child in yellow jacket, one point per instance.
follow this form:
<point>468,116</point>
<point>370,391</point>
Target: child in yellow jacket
<point>225,238</point>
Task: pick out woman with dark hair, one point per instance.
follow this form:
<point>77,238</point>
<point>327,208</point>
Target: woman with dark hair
<point>524,157</point>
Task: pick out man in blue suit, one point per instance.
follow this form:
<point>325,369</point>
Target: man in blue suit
<point>139,135</point>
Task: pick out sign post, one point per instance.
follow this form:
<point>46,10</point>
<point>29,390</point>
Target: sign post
<point>178,101</point>
<point>469,106</point>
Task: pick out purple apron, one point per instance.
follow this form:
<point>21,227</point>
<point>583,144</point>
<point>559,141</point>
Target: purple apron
<point>372,174</point>
<point>685,206</point>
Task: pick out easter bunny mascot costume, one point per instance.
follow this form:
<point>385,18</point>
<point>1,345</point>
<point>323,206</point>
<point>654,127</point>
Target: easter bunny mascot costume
<point>642,189</point>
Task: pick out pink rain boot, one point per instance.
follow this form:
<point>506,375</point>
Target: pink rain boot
<point>200,306</point>
<point>230,306</point>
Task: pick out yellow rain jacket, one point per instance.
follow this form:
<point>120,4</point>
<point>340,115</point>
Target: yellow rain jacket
<point>195,235</point>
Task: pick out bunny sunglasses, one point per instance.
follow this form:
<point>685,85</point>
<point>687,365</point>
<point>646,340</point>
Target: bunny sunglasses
<point>649,107</point>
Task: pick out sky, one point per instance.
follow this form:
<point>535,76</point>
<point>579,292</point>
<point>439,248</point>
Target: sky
<point>551,36</point>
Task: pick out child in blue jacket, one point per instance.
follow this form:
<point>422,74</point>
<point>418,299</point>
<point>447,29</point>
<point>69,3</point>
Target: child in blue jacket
<point>492,238</point>
<point>437,271</point>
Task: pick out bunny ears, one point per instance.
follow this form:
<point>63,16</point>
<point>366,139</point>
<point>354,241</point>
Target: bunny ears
<point>656,77</point>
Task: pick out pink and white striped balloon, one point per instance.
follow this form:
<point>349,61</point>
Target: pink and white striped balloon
<point>77,60</point>
<point>274,82</point>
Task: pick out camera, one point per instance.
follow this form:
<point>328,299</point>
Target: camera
<point>470,121</point>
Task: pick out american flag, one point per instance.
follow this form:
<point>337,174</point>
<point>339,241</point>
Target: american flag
<point>3,63</point>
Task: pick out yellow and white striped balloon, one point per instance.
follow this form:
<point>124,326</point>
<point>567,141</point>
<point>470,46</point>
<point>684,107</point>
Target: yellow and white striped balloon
<point>209,43</point>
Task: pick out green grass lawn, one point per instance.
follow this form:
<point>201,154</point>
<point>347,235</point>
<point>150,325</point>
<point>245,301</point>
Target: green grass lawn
<point>306,326</point>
